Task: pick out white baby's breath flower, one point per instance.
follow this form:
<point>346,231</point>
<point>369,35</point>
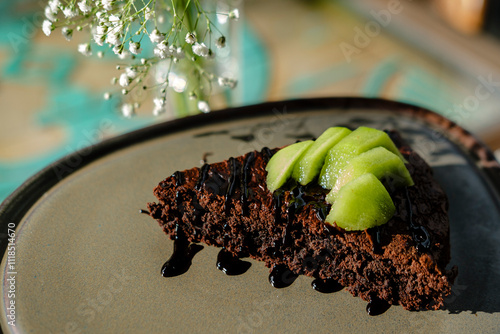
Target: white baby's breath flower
<point>54,5</point>
<point>107,95</point>
<point>160,103</point>
<point>159,106</point>
<point>200,49</point>
<point>124,80</point>
<point>50,14</point>
<point>203,106</point>
<point>120,52</point>
<point>69,12</point>
<point>148,14</point>
<point>234,14</point>
<point>131,72</point>
<point>100,14</point>
<point>100,34</point>
<point>175,52</point>
<point>47,27</point>
<point>162,50</point>
<point>128,110</point>
<point>190,38</point>
<point>99,40</point>
<point>67,33</point>
<point>114,20</point>
<point>117,49</point>
<point>134,47</point>
<point>107,4</point>
<point>221,80</point>
<point>85,8</point>
<point>110,23</point>
<point>158,111</point>
<point>156,36</point>
<point>227,82</point>
<point>85,49</point>
<point>113,38</point>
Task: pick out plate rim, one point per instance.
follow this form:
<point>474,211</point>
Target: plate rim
<point>19,202</point>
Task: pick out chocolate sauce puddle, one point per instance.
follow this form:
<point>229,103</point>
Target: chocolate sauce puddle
<point>377,306</point>
<point>231,265</point>
<point>181,259</point>
<point>281,276</point>
<point>328,285</point>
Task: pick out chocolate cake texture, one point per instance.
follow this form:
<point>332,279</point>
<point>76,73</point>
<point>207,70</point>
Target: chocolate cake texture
<point>227,204</point>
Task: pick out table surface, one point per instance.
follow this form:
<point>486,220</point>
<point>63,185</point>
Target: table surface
<point>52,103</point>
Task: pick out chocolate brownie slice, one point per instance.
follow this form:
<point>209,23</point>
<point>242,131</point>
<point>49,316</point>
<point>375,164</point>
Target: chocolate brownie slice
<point>227,204</point>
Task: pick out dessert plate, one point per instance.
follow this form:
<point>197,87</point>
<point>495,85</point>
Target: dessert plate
<point>78,257</point>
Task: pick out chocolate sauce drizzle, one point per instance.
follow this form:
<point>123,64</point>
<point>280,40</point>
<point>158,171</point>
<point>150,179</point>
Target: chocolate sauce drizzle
<point>375,236</point>
<point>328,285</point>
<point>217,184</point>
<point>204,158</point>
<point>420,234</point>
<point>230,264</point>
<point>234,178</point>
<point>281,276</point>
<point>277,202</point>
<point>182,257</point>
<point>198,211</point>
<point>266,153</point>
<point>203,176</point>
<point>322,210</point>
<point>179,178</point>
<point>247,165</point>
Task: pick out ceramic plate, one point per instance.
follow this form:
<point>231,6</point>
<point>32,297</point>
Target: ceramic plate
<point>78,257</point>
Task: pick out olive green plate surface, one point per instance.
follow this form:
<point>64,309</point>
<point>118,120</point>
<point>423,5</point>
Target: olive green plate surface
<point>84,260</point>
